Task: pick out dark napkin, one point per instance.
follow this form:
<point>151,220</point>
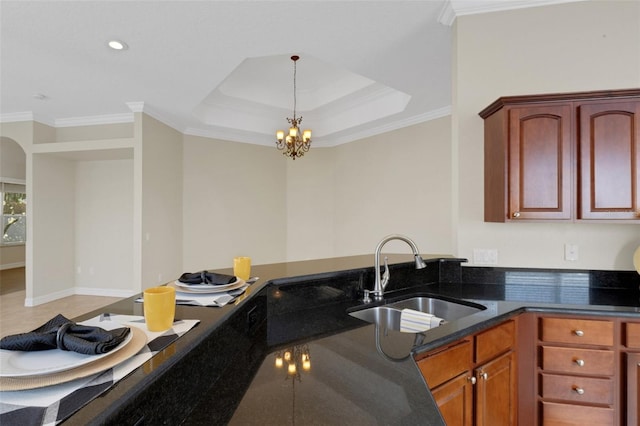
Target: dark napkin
<point>205,277</point>
<point>61,333</point>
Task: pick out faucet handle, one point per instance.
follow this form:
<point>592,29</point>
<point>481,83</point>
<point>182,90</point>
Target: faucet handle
<point>386,275</point>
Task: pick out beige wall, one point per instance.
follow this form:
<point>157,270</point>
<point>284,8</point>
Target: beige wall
<point>398,182</point>
<point>103,227</point>
<point>52,230</point>
<point>571,47</point>
<point>234,203</point>
<point>162,202</point>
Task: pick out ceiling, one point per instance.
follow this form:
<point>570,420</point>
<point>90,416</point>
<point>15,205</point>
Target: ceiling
<point>222,69</point>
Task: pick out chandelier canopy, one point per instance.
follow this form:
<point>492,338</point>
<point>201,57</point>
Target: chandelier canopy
<point>296,143</point>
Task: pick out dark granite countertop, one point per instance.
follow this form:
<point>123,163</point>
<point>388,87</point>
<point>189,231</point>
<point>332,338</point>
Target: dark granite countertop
<point>223,371</point>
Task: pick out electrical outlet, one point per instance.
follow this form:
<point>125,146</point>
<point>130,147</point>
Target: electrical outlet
<point>485,256</point>
<point>571,252</point>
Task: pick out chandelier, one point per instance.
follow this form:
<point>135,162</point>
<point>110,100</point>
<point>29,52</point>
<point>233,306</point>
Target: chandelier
<point>295,144</point>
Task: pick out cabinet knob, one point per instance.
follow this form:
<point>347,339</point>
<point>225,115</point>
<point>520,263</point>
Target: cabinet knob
<point>580,362</point>
<point>484,376</point>
<point>516,214</point>
<point>472,380</point>
<point>578,333</point>
<point>578,390</point>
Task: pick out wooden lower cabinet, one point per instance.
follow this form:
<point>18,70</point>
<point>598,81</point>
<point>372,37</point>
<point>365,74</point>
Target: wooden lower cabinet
<point>474,381</point>
<point>633,389</point>
<point>556,414</point>
<point>560,370</point>
<point>495,398</point>
<point>454,399</point>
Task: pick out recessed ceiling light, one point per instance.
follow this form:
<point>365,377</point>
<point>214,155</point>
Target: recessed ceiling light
<point>117,45</point>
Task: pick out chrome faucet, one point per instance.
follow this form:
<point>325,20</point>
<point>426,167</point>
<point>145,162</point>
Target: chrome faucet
<point>381,283</point>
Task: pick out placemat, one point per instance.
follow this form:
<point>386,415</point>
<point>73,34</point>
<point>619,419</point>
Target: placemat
<point>51,405</point>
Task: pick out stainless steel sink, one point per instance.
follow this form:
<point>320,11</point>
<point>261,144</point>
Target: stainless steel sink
<point>389,315</point>
<point>445,309</point>
<point>381,315</point>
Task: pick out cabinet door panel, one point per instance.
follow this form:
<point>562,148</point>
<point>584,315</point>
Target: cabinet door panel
<point>454,400</point>
<point>633,389</point>
<point>495,392</point>
<point>609,160</point>
<point>540,162</point>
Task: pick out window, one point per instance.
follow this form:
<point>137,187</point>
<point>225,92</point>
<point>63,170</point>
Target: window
<point>14,213</point>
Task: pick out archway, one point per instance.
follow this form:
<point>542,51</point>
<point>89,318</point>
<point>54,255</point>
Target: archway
<point>13,239</point>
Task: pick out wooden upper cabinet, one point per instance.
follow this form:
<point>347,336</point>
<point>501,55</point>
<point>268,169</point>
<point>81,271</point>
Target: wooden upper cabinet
<point>567,156</point>
<point>609,158</point>
<point>540,162</point>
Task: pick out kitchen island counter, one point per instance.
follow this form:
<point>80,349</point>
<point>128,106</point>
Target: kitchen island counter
<point>224,370</point>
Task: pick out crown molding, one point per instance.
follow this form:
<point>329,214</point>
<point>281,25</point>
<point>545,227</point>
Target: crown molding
<point>399,124</point>
<point>24,116</point>
<point>94,120</point>
<point>233,135</point>
<point>454,8</point>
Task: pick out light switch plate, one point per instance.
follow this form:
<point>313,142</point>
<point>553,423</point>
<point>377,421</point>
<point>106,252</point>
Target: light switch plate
<point>571,252</point>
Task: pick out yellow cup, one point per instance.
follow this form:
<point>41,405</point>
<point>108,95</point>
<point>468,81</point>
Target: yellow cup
<point>159,308</point>
<point>242,267</point>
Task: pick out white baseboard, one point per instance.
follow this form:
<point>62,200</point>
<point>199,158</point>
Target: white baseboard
<point>35,301</point>
<point>108,292</point>
<point>84,291</point>
<point>12,265</point>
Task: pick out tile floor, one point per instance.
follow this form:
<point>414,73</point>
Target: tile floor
<point>17,318</point>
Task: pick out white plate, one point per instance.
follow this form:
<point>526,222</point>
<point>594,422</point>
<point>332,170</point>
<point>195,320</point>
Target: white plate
<point>208,289</point>
<point>38,363</point>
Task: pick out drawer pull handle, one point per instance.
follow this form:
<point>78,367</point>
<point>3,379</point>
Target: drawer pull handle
<point>579,333</point>
<point>580,362</point>
<point>472,380</point>
<point>578,390</point>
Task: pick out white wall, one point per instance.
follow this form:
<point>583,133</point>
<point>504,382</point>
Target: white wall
<point>233,203</point>
<point>104,227</point>
<point>571,47</point>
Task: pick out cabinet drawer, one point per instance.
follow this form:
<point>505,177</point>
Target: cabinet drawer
<point>579,415</point>
<point>495,341</point>
<point>579,389</point>
<point>445,365</point>
<point>578,360</point>
<point>632,335</point>
<point>577,331</point>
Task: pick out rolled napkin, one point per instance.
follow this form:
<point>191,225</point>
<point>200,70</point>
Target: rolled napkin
<point>62,333</point>
<point>205,277</point>
<point>412,321</point>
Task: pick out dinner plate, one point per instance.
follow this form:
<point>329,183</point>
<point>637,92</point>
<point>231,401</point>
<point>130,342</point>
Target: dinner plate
<point>208,289</point>
<point>37,363</point>
<point>138,341</point>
